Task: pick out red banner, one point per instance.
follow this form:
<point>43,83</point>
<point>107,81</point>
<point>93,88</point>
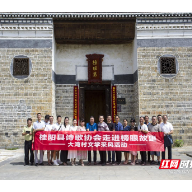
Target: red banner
<point>76,103</point>
<point>114,103</point>
<point>99,140</point>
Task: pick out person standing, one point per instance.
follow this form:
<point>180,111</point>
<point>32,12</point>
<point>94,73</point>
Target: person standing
<point>64,153</point>
<point>159,118</point>
<point>39,125</point>
<point>133,153</point>
<point>92,126</point>
<point>72,154</point>
<point>111,127</point>
<point>49,127</point>
<point>142,128</point>
<point>132,126</point>
<point>147,123</point>
<point>102,126</point>
<point>81,154</point>
<point>46,120</point>
<point>57,127</point>
<point>126,127</point>
<point>28,133</point>
<point>118,127</point>
<point>154,127</point>
<point>167,128</point>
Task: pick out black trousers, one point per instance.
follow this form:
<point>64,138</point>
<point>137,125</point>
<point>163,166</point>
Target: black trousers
<point>169,152</point>
<point>28,147</point>
<point>148,154</point>
<point>143,156</point>
<point>103,156</point>
<point>167,145</point>
<point>94,156</point>
<point>118,156</point>
<point>63,156</point>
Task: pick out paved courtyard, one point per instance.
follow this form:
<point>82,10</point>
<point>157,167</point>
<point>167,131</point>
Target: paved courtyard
<point>11,167</point>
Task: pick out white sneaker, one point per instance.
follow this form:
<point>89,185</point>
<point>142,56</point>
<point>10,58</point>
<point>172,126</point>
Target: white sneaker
<point>55,163</point>
<point>59,162</point>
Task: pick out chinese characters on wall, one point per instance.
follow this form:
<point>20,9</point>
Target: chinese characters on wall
<point>114,103</point>
<point>94,68</point>
<point>76,104</point>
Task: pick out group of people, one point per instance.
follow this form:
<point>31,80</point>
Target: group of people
<point>55,157</point>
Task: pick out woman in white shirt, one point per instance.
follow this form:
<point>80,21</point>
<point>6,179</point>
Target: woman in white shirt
<point>72,154</point>
<point>142,128</point>
<point>81,154</point>
<point>49,127</point>
<point>64,153</point>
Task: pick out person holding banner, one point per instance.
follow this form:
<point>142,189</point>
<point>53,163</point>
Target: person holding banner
<point>56,127</point>
<point>49,127</point>
<point>154,127</point>
<point>72,154</point>
<point>111,127</point>
<point>46,120</point>
<point>133,153</point>
<point>81,154</point>
<point>64,153</point>
<point>143,128</point>
<point>28,133</point>
<point>126,127</point>
<point>147,123</point>
<point>118,127</point>
<point>92,126</point>
<point>39,125</point>
<point>102,126</point>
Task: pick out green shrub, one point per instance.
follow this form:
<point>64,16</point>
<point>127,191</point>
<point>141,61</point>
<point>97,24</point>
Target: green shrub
<point>14,148</point>
<point>178,143</point>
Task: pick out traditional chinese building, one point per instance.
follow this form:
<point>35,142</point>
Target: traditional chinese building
<point>82,64</point>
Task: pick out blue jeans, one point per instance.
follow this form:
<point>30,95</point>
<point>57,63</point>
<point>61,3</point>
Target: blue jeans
<point>113,156</point>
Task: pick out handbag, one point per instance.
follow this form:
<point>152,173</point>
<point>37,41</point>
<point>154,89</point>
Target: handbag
<point>170,139</point>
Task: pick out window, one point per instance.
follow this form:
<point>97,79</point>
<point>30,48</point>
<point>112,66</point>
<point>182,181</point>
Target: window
<point>20,67</point>
<point>168,66</point>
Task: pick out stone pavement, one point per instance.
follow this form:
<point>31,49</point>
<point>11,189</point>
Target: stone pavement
<point>11,167</point>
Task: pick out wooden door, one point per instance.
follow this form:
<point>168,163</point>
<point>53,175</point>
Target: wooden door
<point>95,104</point>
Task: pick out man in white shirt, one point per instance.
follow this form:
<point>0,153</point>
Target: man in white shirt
<point>46,120</point>
<point>167,128</point>
<point>57,127</point>
<point>49,127</point>
<point>39,125</point>
<point>143,128</point>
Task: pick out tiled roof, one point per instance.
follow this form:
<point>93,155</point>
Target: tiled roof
<point>95,15</point>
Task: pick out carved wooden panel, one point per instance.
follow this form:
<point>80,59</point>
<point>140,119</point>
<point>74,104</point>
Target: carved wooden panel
<point>168,65</point>
<point>94,31</point>
<point>21,66</point>
<point>94,68</point>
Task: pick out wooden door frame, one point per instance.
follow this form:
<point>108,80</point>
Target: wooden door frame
<point>85,86</point>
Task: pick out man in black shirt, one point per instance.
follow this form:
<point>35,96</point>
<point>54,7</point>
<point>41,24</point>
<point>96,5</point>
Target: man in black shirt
<point>111,126</point>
